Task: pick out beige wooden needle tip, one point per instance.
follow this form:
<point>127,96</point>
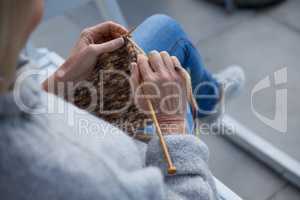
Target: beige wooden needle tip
<point>172,170</point>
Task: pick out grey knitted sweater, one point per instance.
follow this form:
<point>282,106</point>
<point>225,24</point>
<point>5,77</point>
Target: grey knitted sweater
<point>60,152</point>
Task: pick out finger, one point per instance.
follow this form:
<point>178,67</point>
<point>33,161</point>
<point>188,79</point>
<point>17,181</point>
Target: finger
<point>105,31</point>
<point>167,61</point>
<point>179,69</point>
<point>144,67</point>
<point>156,62</point>
<point>176,62</point>
<point>136,81</point>
<point>187,79</point>
<point>108,46</point>
<point>177,65</point>
<point>135,76</point>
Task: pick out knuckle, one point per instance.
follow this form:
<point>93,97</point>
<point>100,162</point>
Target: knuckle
<point>87,35</point>
<point>90,49</point>
<point>85,32</point>
<point>110,23</point>
<point>165,77</point>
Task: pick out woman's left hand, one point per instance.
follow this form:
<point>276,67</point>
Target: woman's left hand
<point>93,42</point>
<point>157,79</point>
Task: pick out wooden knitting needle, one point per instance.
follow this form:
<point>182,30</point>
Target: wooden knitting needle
<point>171,166</point>
<point>130,31</point>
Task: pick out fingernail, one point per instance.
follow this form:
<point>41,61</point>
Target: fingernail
<point>120,40</point>
<point>153,52</point>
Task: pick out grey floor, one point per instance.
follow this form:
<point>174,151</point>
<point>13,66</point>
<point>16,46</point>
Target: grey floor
<point>260,41</point>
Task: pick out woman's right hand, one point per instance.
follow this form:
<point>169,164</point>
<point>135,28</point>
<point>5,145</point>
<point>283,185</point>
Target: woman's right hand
<point>157,78</point>
<point>93,42</point>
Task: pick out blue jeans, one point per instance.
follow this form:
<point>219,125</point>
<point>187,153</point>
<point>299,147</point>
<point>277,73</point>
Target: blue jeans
<point>162,33</point>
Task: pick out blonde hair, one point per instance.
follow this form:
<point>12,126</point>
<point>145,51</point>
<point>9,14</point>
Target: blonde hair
<point>13,14</point>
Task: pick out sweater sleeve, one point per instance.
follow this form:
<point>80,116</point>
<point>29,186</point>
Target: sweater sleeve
<point>193,179</point>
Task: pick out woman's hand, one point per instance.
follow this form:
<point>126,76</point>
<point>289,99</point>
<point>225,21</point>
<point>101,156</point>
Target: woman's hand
<point>157,78</point>
<point>94,41</point>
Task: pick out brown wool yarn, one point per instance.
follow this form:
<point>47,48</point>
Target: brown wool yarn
<point>113,91</point>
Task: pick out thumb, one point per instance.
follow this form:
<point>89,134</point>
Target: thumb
<point>109,46</point>
<point>135,77</point>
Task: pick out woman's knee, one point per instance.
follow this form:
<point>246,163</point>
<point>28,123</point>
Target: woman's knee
<point>164,21</point>
<point>161,18</point>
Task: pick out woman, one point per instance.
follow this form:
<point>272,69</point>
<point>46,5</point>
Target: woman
<point>43,156</point>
